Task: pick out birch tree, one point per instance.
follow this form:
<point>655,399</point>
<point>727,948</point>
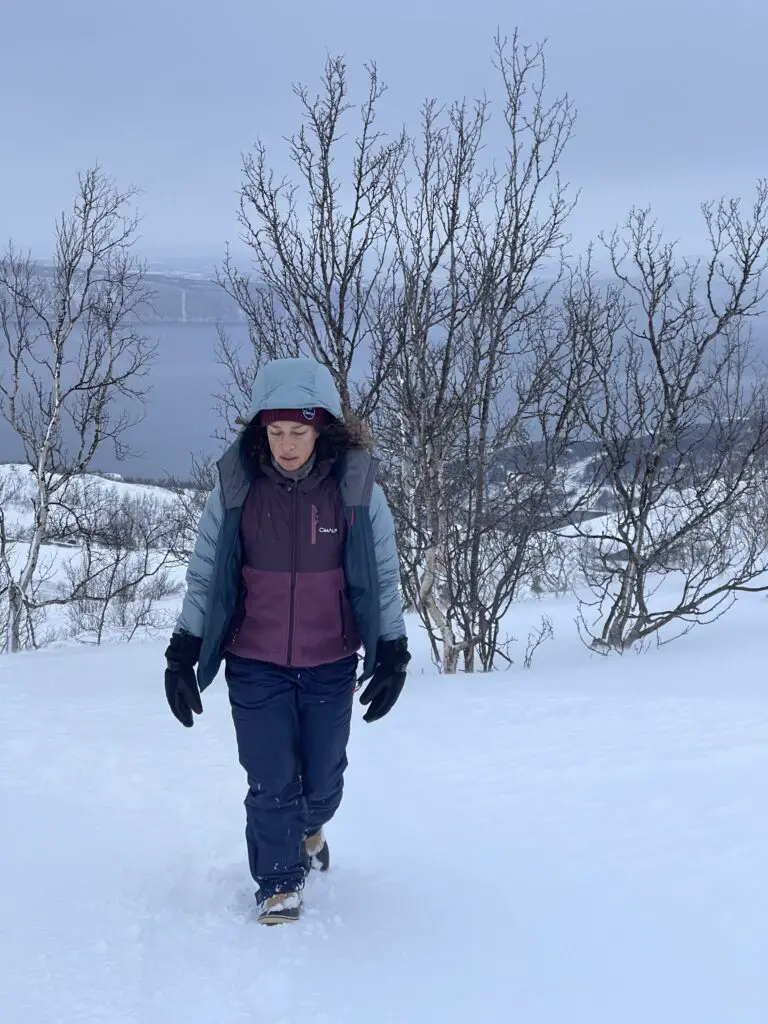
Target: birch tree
<point>425,276</point>
<point>681,427</point>
<point>74,361</point>
<point>319,244</point>
<point>488,372</point>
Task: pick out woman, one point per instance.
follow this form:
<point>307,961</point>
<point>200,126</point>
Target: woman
<point>294,569</point>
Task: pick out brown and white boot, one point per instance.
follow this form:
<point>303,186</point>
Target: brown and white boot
<point>318,854</point>
<point>281,908</point>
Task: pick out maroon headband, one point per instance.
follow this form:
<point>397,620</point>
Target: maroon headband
<point>312,417</point>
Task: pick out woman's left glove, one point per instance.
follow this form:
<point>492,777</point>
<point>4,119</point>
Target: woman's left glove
<point>385,687</point>
<point>181,688</point>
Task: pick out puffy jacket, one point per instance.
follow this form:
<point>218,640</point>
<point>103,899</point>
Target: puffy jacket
<point>370,559</point>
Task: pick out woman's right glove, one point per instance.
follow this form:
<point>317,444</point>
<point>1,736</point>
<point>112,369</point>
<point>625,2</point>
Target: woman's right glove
<point>385,687</point>
<point>181,689</point>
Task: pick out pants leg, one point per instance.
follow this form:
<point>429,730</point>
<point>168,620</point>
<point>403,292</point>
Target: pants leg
<point>265,712</point>
<point>325,696</point>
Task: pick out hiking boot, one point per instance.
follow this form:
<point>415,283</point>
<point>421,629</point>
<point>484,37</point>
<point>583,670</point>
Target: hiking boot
<point>280,908</point>
<point>318,854</point>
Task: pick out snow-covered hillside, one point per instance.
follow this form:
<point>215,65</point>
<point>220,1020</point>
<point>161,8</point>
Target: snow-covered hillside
<point>110,562</point>
<point>584,843</point>
<point>19,489</point>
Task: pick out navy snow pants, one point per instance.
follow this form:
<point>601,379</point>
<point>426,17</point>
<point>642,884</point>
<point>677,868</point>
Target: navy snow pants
<point>292,727</point>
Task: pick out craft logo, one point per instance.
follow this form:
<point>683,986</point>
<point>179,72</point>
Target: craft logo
<point>315,528</point>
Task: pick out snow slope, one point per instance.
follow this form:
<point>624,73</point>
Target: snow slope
<point>584,843</point>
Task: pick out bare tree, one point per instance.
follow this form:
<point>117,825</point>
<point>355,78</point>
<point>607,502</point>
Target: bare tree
<point>191,496</point>
<point>116,582</point>
<point>439,194</point>
<point>537,637</point>
<point>487,386</point>
<point>74,359</point>
<point>10,498</point>
<point>319,245</point>
<point>681,426</point>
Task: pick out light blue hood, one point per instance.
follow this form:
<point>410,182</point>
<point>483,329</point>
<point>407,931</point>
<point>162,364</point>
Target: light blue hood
<point>294,384</point>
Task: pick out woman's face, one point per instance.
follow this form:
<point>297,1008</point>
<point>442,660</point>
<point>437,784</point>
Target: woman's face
<point>291,443</point>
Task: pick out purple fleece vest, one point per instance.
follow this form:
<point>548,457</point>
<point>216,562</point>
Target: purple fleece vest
<point>296,608</point>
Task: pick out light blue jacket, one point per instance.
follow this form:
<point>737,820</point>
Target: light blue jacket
<point>371,563</point>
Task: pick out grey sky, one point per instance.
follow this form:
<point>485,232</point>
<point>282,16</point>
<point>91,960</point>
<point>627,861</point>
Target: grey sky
<point>671,97</point>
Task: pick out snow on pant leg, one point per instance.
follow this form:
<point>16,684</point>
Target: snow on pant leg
<point>325,713</point>
<point>264,705</point>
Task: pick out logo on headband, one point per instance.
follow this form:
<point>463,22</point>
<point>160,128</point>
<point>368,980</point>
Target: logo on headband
<point>308,414</point>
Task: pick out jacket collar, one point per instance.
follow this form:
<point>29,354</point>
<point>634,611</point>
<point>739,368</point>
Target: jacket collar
<point>317,473</point>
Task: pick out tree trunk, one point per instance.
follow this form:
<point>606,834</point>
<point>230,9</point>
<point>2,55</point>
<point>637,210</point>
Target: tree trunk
<point>16,610</point>
<point>451,649</point>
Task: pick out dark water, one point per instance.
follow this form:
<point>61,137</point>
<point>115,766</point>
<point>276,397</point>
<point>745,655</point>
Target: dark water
<point>180,410</point>
<point>179,418</point>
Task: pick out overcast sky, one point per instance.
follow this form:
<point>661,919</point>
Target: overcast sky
<point>671,94</point>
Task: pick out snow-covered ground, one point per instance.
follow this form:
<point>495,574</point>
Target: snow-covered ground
<point>583,843</point>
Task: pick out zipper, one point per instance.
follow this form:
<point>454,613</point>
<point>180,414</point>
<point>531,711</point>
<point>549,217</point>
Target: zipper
<point>236,622</point>
<point>236,619</point>
<point>294,545</point>
<point>344,635</point>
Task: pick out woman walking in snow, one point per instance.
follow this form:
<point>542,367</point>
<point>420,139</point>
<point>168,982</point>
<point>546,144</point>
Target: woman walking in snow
<point>294,569</point>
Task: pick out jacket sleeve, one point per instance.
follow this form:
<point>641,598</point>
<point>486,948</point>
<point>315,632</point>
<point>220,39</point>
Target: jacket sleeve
<point>200,568</point>
<point>392,624</point>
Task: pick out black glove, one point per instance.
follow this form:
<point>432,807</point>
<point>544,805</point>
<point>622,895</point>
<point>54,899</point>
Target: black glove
<point>385,687</point>
<point>181,687</point>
